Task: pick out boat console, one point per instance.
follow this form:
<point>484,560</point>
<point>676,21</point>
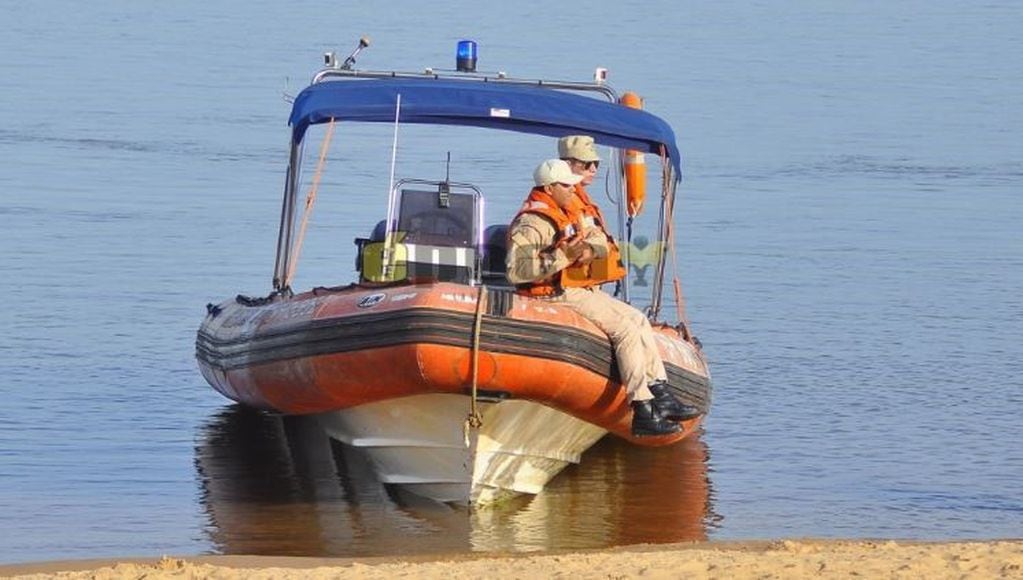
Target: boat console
<point>436,235</point>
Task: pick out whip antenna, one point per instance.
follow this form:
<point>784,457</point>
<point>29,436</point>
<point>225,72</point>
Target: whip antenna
<point>330,58</point>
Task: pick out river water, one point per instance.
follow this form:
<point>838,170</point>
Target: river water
<point>849,249</point>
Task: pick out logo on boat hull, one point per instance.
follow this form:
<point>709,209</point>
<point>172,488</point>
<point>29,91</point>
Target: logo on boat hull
<point>371,300</point>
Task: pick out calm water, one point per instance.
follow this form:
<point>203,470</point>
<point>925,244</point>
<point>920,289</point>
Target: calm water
<point>850,251</point>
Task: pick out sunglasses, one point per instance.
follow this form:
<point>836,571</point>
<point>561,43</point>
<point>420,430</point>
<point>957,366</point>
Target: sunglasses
<point>568,185</point>
<point>587,164</point>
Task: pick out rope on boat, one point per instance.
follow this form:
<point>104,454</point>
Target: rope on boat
<point>473,420</point>
<point>309,200</point>
<point>676,282</point>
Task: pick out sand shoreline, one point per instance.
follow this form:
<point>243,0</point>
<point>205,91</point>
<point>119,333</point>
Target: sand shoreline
<point>766,559</point>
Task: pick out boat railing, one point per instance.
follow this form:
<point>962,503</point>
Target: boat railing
<point>601,87</point>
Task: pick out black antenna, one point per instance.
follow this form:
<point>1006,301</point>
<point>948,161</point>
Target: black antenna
<point>444,187</point>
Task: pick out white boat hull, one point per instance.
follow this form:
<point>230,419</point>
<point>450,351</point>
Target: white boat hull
<point>419,443</point>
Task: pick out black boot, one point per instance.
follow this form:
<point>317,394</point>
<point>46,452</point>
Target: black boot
<point>646,421</point>
<point>669,407</point>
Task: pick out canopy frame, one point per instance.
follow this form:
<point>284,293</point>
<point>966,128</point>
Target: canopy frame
<point>543,107</point>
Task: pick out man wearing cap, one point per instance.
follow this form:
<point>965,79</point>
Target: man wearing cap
<point>552,244</point>
<point>580,153</point>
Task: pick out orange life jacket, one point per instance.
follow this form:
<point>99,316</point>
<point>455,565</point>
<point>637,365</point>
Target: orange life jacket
<point>568,223</point>
<point>609,268</point>
<point>589,208</point>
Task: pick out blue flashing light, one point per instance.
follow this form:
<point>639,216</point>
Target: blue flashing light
<point>465,56</point>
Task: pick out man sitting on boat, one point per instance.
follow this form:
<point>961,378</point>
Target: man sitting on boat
<point>559,250</point>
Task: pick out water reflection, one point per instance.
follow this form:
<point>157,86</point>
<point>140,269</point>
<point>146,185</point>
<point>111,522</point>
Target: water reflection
<point>279,486</point>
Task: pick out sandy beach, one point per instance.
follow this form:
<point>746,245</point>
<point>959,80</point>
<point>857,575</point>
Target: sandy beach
<point>781,559</point>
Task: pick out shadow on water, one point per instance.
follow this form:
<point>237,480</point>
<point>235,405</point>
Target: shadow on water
<point>276,485</point>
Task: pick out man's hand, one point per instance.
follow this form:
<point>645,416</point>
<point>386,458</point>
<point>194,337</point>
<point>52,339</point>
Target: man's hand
<point>578,250</point>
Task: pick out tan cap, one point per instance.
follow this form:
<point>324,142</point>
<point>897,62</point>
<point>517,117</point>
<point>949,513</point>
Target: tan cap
<point>555,171</point>
<point>579,147</point>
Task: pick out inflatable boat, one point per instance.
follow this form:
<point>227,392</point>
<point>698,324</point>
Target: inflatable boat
<point>456,386</point>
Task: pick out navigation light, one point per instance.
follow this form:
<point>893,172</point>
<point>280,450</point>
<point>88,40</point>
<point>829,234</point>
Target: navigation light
<point>465,57</point>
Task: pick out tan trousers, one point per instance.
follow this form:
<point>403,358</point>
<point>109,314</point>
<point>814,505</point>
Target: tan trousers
<point>632,337</point>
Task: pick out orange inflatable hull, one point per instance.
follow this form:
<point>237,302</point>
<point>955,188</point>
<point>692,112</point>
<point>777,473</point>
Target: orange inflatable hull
<point>332,349</point>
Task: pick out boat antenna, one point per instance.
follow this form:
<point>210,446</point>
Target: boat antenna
<point>330,58</point>
<point>444,187</point>
<point>391,201</point>
<point>350,61</point>
<point>285,93</point>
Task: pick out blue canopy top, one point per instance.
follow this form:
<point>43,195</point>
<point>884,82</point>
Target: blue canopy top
<point>524,108</point>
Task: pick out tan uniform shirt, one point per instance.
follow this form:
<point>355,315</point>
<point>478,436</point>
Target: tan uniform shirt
<point>529,255</point>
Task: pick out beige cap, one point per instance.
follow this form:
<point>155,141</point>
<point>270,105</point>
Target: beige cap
<point>555,171</point>
<point>579,147</point>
